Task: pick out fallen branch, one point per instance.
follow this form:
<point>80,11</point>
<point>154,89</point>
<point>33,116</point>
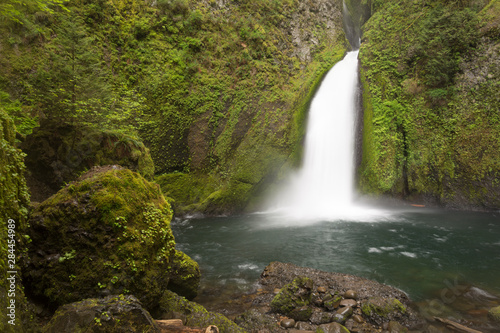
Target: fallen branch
<point>456,326</point>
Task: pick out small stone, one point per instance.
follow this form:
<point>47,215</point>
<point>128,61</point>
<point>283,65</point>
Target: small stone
<point>322,290</point>
<point>287,323</point>
<point>351,294</point>
<point>395,327</point>
<point>304,326</point>
<point>343,314</point>
<point>358,319</point>
<point>321,317</point>
<point>348,302</point>
<point>333,328</point>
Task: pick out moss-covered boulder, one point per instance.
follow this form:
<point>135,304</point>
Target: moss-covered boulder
<point>381,309</point>
<point>195,315</point>
<point>494,313</point>
<point>294,298</point>
<point>109,314</point>
<point>186,275</point>
<point>14,203</point>
<point>108,233</point>
<point>58,154</point>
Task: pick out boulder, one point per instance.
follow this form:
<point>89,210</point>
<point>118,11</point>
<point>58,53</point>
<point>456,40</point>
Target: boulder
<point>108,233</point>
<point>109,314</point>
<point>380,309</point>
<point>293,299</point>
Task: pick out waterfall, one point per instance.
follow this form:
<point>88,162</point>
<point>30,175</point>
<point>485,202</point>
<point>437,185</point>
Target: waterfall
<point>324,187</point>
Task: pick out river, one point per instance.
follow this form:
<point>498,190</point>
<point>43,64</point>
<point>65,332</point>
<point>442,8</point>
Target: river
<point>430,254</point>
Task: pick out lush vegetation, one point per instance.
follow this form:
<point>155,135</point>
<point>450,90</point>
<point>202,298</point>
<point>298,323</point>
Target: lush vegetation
<point>431,100</point>
<point>212,89</point>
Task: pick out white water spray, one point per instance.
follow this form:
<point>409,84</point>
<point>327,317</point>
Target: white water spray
<point>324,187</point>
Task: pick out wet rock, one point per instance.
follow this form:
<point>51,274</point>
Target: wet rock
<point>351,294</point>
<point>332,328</point>
<point>331,301</point>
<point>395,327</point>
<point>255,320</point>
<point>358,319</point>
<point>301,314</point>
<point>304,326</point>
<point>494,313</point>
<point>110,314</point>
<point>380,310</point>
<point>348,302</point>
<point>322,290</point>
<point>279,274</point>
<point>287,323</point>
<point>294,296</point>
<point>343,314</point>
<point>321,317</point>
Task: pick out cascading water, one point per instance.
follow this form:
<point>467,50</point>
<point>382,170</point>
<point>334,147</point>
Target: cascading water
<point>324,186</point>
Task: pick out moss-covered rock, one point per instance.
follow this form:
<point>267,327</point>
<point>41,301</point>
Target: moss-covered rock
<point>494,313</point>
<point>14,203</point>
<point>185,275</point>
<point>108,233</point>
<point>381,309</point>
<point>110,314</point>
<point>195,314</point>
<point>58,154</point>
<point>293,299</point>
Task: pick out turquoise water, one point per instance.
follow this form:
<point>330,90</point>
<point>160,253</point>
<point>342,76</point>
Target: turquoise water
<point>420,251</point>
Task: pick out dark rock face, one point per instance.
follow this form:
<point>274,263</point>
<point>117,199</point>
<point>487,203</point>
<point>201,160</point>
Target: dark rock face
<point>57,154</point>
<point>109,314</point>
<point>108,233</point>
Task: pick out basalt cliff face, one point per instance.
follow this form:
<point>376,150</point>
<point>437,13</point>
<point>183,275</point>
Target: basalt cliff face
<point>430,78</point>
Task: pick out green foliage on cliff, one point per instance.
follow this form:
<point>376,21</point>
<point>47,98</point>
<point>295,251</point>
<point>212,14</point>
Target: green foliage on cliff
<point>431,85</point>
<point>205,84</point>
<point>14,203</point>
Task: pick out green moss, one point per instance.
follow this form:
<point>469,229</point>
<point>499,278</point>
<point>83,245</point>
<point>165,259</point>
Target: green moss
<point>494,313</point>
<point>293,296</point>
<point>196,315</point>
<point>14,203</point>
<point>110,233</point>
<point>111,314</point>
<point>429,119</point>
<point>382,307</point>
<point>185,275</point>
